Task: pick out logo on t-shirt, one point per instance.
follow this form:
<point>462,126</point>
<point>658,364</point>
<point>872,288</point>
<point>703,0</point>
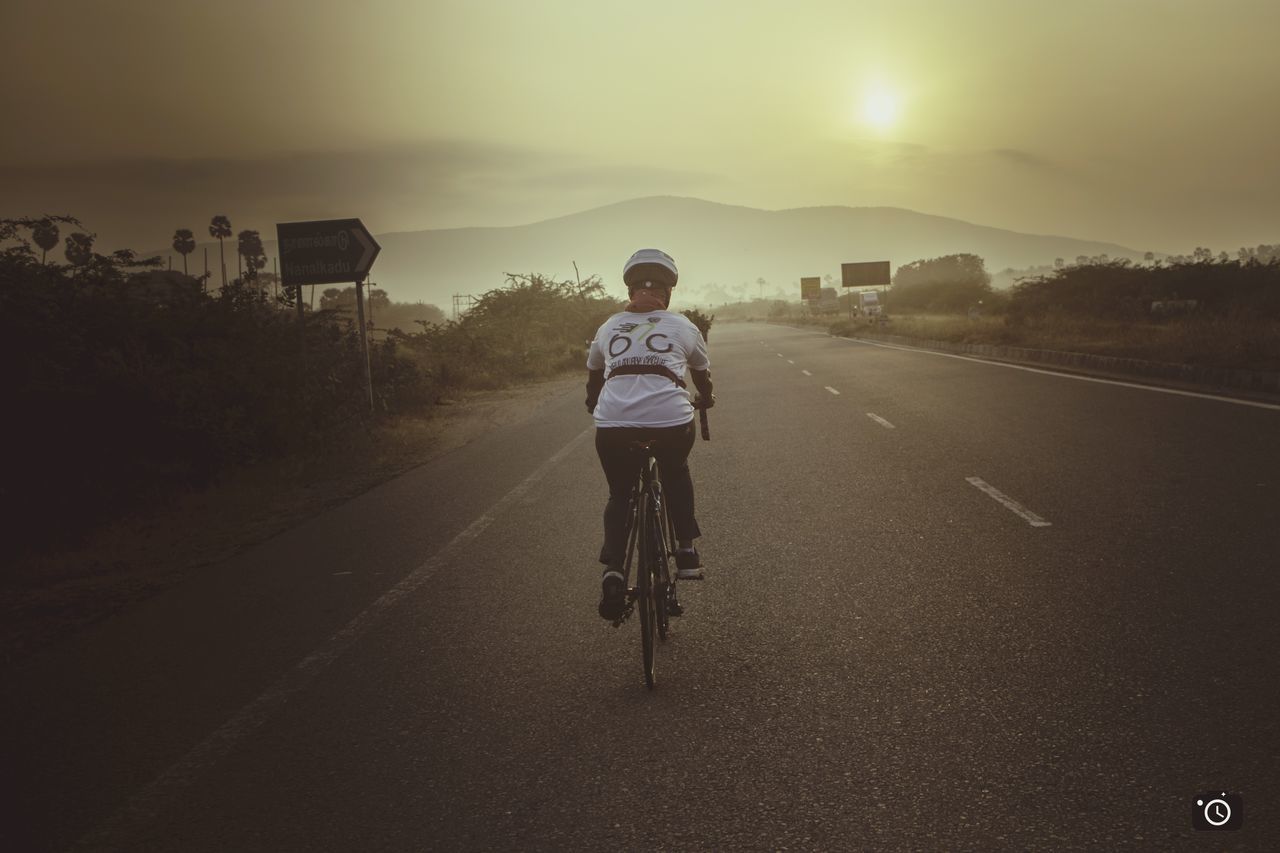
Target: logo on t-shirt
<point>629,337</point>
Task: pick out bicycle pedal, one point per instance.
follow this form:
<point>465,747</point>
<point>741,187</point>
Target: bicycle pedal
<point>624,616</point>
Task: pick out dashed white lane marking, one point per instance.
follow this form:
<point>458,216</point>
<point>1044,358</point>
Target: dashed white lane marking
<point>1013,506</point>
<point>780,355</point>
<point>789,361</point>
<point>880,420</point>
<point>145,806</point>
<point>806,373</point>
<point>1254,403</point>
<point>832,390</point>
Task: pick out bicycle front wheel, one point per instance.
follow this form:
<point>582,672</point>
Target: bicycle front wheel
<point>664,585</point>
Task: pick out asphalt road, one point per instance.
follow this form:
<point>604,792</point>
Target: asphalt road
<point>950,605</point>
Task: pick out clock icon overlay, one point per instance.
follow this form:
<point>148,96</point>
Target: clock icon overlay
<point>1218,810</point>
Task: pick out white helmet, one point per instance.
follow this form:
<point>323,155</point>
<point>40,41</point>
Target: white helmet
<point>650,268</point>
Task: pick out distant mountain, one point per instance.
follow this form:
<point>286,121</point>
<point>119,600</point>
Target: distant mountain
<point>714,244</point>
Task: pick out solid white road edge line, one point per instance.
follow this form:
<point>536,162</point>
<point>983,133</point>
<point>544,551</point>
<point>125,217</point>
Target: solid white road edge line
<point>1009,503</point>
<point>1255,403</point>
<point>145,806</point>
<point>880,421</point>
<point>832,390</point>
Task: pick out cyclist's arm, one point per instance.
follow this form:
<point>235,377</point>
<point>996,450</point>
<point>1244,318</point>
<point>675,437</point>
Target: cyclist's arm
<point>702,381</point>
<point>595,382</point>
<point>595,374</point>
<point>700,368</point>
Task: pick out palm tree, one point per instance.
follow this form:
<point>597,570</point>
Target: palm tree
<point>184,242</point>
<point>250,248</point>
<point>79,248</point>
<point>220,227</point>
<point>45,233</point>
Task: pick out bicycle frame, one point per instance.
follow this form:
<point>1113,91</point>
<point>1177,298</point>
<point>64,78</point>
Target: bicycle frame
<point>648,485</point>
<point>650,536</point>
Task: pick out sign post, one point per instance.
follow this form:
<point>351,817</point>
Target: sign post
<point>330,251</point>
<point>364,341</point>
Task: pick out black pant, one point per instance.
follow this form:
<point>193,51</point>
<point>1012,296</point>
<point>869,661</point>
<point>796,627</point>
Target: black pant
<point>621,468</point>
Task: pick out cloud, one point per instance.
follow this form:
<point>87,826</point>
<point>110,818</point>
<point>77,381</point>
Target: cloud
<point>448,183</point>
<point>1027,159</point>
<point>653,180</point>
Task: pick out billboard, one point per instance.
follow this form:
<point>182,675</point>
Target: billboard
<point>868,274</point>
<point>811,288</point>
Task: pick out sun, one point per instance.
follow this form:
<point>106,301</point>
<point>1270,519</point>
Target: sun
<point>880,109</point>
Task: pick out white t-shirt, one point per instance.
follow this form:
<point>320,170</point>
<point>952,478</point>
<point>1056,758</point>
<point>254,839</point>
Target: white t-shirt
<point>654,338</point>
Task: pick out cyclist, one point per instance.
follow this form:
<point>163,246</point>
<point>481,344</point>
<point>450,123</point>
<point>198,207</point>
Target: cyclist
<point>636,391</point>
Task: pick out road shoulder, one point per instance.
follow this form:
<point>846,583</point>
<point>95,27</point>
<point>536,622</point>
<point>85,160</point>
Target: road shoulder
<point>47,598</point>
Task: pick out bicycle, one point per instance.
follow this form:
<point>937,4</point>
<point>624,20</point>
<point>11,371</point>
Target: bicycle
<point>651,541</point>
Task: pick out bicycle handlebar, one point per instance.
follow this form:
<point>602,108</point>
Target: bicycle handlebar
<point>702,418</point>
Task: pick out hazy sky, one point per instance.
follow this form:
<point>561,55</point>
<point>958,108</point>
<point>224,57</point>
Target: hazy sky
<point>1152,123</point>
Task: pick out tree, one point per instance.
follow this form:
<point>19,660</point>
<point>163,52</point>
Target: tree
<point>184,242</point>
<point>250,248</point>
<point>952,283</point>
<point>1059,263</point>
<point>1149,257</point>
<point>45,233</point>
<point>220,227</point>
<point>79,249</point>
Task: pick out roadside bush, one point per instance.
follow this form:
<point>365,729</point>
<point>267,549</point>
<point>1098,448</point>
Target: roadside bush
<point>702,321</point>
<point>1119,290</point>
<point>132,382</point>
<point>531,328</point>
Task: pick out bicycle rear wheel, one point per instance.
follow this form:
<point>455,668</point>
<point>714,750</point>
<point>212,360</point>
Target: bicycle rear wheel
<point>646,588</point>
